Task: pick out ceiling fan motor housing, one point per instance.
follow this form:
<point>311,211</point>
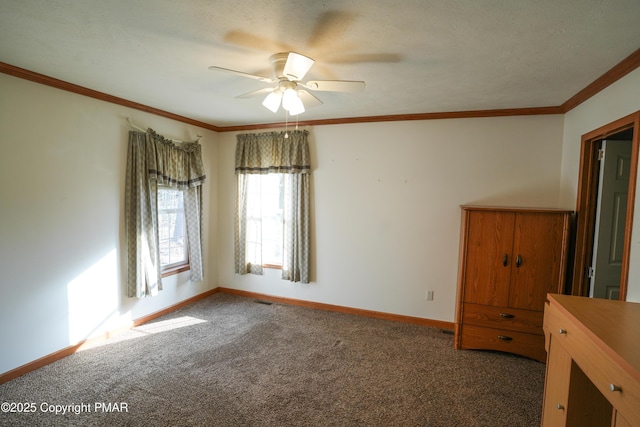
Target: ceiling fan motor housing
<point>278,61</point>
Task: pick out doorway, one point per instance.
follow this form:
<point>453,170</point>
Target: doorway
<point>610,220</point>
<point>588,209</point>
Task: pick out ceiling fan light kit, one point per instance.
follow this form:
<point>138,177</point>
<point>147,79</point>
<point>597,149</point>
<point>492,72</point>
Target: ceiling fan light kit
<point>292,103</point>
<point>272,101</point>
<point>287,92</point>
<point>289,70</point>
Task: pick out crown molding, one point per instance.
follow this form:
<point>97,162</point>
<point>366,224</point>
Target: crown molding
<point>403,117</point>
<point>81,90</point>
<point>626,66</point>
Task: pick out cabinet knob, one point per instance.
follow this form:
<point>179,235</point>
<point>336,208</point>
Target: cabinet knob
<point>559,406</point>
<point>562,331</point>
<point>505,260</point>
<point>518,261</point>
<point>614,387</point>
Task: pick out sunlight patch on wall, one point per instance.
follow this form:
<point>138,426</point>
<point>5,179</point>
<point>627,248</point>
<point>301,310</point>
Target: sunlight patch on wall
<point>93,299</point>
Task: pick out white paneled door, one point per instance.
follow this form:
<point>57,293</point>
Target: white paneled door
<point>610,219</point>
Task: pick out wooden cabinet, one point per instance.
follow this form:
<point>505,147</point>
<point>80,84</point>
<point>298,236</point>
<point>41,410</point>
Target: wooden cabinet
<point>510,258</point>
<point>593,368</point>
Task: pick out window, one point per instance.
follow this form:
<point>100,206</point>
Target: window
<point>158,219</point>
<point>172,233</point>
<point>272,204</point>
<point>265,219</point>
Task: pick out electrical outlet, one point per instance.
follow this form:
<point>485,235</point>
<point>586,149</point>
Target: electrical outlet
<point>429,295</point>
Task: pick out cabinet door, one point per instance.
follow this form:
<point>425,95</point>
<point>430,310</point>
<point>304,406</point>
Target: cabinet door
<point>487,271</point>
<point>620,421</point>
<point>538,266</point>
<point>556,386</point>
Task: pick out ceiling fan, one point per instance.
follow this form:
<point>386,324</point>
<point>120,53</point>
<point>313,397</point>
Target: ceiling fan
<point>289,69</point>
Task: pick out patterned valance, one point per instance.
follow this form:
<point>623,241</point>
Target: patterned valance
<point>173,165</point>
<point>271,152</point>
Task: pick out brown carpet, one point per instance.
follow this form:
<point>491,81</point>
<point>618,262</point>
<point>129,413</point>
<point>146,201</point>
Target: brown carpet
<point>232,361</point>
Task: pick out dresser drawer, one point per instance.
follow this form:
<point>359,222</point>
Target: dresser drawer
<point>481,338</point>
<point>600,364</point>
<point>503,318</point>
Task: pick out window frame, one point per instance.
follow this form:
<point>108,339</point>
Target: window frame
<point>270,214</point>
<point>280,203</point>
<point>183,265</point>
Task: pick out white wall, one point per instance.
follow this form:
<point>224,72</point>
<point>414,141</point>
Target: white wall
<point>386,221</point>
<point>619,100</point>
<point>386,215</point>
<point>62,171</point>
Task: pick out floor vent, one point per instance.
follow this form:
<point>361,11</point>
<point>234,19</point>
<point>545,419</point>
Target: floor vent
<point>263,302</point>
<point>446,331</point>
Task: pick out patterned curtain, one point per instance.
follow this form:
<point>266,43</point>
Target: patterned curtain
<point>153,160</point>
<point>265,153</point>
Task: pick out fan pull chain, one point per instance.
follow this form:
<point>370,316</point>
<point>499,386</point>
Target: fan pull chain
<point>286,124</point>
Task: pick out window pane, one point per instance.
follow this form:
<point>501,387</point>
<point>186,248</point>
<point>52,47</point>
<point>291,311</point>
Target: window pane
<point>264,219</point>
<point>171,227</point>
<point>272,219</point>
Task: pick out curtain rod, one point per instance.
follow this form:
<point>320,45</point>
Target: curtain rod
<point>139,129</point>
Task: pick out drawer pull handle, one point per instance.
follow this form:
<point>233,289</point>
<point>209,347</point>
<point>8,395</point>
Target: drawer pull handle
<point>507,316</point>
<point>562,331</point>
<point>559,406</point>
<point>614,387</point>
<point>518,261</point>
<point>505,260</point>
<point>504,338</point>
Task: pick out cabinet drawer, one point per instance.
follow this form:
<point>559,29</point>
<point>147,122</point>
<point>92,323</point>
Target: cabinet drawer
<point>512,319</point>
<point>481,338</point>
<point>598,363</point>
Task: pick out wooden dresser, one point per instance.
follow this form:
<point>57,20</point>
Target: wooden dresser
<point>593,367</point>
<point>510,258</point>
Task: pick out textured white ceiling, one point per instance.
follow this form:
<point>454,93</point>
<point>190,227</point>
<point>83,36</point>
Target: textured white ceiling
<point>416,56</point>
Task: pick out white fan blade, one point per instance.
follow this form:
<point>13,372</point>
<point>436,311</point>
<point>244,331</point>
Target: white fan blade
<point>257,92</point>
<point>335,85</point>
<point>297,66</point>
<point>309,99</point>
<point>251,76</point>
